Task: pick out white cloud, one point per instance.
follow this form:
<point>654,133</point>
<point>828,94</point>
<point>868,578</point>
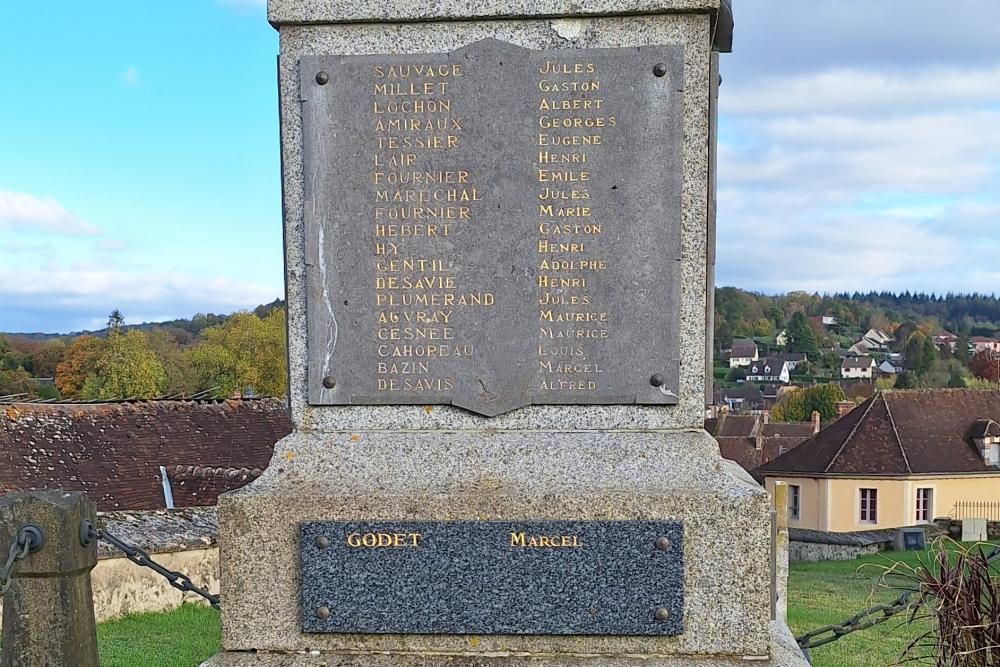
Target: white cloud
<point>63,297</point>
<point>20,210</point>
<point>858,90</point>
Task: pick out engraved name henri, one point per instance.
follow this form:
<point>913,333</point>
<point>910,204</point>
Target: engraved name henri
<point>383,540</point>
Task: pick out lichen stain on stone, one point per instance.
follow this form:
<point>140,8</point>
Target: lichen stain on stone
<point>289,455</point>
<point>12,413</point>
<point>568,29</point>
<point>473,641</point>
<point>355,438</point>
<point>428,409</point>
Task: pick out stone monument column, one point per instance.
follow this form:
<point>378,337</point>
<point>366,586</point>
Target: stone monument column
<point>497,220</point>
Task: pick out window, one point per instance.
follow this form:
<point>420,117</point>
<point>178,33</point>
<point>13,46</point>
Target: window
<point>869,505</point>
<point>925,505</point>
<point>794,496</point>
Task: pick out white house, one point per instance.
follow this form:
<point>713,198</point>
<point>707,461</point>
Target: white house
<point>984,344</point>
<point>876,339</point>
<point>769,369</point>
<point>858,368</point>
<point>744,353</point>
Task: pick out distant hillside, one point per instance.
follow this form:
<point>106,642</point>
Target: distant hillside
<point>192,326</point>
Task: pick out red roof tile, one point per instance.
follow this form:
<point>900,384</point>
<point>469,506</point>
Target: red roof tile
<point>113,451</point>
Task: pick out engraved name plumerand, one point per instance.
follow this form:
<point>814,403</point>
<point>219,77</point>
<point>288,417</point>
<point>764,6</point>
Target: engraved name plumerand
<point>493,227</point>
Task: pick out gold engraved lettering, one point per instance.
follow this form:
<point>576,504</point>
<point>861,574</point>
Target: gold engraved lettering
<point>545,541</point>
<point>379,540</point>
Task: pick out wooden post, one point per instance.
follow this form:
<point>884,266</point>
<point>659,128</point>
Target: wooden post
<point>48,612</point>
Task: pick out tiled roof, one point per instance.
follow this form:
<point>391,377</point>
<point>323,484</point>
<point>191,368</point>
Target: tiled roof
<point>857,362</point>
<point>909,432</point>
<point>743,347</point>
<point>732,426</point>
<point>801,430</point>
<point>113,451</point>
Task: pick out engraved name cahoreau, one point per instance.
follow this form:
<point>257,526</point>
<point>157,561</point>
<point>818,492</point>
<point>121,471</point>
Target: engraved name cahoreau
<point>493,227</point>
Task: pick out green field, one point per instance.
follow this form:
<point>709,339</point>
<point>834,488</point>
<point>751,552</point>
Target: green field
<point>819,594</point>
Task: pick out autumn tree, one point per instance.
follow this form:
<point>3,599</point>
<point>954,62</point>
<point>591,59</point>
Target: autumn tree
<point>46,359</point>
<point>78,362</point>
<point>245,351</point>
<point>986,365</point>
<point>16,381</point>
<point>126,368</point>
<point>177,362</point>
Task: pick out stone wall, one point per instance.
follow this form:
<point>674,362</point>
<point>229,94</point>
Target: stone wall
<point>813,551</point>
<point>181,540</point>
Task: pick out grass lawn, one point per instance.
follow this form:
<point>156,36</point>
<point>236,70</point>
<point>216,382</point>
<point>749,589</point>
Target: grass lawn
<point>819,594</point>
<point>180,638</point>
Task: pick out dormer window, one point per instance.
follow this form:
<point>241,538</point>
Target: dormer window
<point>986,436</point>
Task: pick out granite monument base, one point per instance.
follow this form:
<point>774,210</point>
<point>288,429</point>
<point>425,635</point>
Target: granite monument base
<point>505,475</point>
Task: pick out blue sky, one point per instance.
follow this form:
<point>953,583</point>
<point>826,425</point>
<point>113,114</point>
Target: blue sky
<point>859,149</point>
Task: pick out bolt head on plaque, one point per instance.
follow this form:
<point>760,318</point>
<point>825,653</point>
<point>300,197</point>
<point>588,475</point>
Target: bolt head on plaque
<point>322,541</point>
<point>659,69</point>
<point>662,614</point>
<point>329,382</point>
<point>322,78</point>
<point>656,380</point>
<point>662,543</point>
<point>323,613</point>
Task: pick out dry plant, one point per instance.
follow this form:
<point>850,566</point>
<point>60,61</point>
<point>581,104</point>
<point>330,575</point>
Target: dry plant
<point>955,603</point>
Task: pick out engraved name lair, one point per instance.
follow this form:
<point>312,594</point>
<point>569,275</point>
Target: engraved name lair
<point>382,540</point>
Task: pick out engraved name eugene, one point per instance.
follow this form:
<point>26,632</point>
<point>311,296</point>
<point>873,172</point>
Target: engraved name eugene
<point>517,539</point>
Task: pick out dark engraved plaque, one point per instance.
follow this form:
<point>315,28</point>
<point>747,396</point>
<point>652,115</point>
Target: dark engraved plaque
<point>493,577</point>
<point>493,227</point>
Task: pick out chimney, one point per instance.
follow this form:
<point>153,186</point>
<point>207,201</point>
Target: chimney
<point>766,415</point>
<point>816,421</point>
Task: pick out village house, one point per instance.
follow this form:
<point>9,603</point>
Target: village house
<point>139,455</point>
<point>752,440</point>
<point>945,339</point>
<point>984,344</point>
<point>769,369</point>
<point>743,353</point>
<point>898,459</point>
<point>746,399</point>
<point>857,368</point>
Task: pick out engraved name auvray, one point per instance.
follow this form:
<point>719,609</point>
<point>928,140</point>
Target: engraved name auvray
<point>517,539</point>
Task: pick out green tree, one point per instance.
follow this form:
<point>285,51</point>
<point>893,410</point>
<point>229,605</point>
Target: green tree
<point>126,368</point>
<point>801,337</point>
<point>16,381</point>
<point>906,380</point>
<point>799,406</point>
<point>919,353</point>
<point>246,351</point>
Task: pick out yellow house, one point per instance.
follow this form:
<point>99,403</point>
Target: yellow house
<point>900,458</point>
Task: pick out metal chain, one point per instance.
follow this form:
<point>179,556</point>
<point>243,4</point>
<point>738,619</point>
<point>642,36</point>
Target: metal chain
<point>176,579</point>
<point>20,545</point>
<point>866,618</point>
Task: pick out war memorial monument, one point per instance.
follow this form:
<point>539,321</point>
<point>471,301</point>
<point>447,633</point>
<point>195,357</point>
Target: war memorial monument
<point>499,239</point>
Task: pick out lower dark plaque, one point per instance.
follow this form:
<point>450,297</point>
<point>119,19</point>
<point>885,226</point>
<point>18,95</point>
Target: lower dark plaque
<point>493,577</point>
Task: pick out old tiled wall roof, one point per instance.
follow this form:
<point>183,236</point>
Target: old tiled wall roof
<point>113,451</point>
<point>909,432</point>
<point>751,443</point>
